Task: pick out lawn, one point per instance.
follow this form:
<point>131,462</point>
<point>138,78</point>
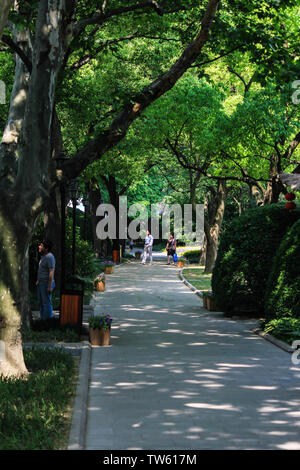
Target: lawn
<point>195,276</point>
<point>35,412</point>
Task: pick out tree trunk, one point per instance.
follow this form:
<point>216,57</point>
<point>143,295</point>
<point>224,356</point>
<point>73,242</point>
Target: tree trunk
<point>95,201</point>
<point>203,252</point>
<point>274,186</point>
<point>25,176</point>
<point>14,240</point>
<point>213,223</point>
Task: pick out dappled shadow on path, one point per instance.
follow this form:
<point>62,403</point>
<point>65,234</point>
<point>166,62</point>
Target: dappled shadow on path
<point>178,377</point>
<point>163,388</point>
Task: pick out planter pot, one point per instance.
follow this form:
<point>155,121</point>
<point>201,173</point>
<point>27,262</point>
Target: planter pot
<point>211,305</point>
<point>180,264</point>
<point>99,337</point>
<point>138,255</point>
<point>204,301</point>
<point>108,269</point>
<point>99,286</point>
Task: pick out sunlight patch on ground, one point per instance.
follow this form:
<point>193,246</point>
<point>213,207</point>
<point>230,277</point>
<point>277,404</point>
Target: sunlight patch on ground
<point>210,406</point>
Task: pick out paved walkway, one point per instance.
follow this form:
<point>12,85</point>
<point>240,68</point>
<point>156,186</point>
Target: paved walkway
<point>179,377</point>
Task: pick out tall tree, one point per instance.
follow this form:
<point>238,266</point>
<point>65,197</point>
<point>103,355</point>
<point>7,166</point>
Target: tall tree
<point>26,174</point>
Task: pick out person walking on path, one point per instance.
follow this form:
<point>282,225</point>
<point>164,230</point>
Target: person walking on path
<point>171,247</point>
<point>148,247</point>
<point>45,280</point>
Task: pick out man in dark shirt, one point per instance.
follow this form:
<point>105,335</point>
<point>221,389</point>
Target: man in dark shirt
<point>45,280</point>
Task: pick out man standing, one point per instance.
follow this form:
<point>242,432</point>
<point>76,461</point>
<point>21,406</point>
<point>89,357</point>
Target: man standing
<point>45,280</point>
<point>148,247</point>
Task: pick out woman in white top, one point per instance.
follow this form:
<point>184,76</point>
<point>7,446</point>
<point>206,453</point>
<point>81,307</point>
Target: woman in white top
<point>148,247</point>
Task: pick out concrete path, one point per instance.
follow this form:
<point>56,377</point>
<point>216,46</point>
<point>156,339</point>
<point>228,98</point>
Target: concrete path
<point>178,377</point>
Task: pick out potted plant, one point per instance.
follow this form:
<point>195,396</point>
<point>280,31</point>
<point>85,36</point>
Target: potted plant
<point>209,302</point>
<point>99,329</point>
<point>138,255</point>
<point>99,282</point>
<point>181,261</point>
<point>109,267</point>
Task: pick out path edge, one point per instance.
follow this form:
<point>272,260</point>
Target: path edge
<point>79,415</point>
<point>272,339</point>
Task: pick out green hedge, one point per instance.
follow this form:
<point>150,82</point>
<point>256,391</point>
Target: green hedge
<point>283,288</point>
<point>245,255</point>
<point>193,256</point>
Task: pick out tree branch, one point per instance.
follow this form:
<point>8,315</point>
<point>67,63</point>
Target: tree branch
<point>9,42</point>
<point>118,129</point>
<point>292,147</point>
<point>100,18</point>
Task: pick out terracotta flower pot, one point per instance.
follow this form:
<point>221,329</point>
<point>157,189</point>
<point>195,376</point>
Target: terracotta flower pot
<point>108,269</point>
<point>138,255</point>
<point>180,264</point>
<point>99,286</point>
<point>99,337</point>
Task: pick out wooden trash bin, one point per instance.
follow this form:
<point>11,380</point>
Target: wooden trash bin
<point>71,303</point>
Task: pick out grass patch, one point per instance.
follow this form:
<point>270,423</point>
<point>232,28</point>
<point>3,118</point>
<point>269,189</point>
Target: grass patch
<point>51,330</point>
<point>35,412</point>
<point>197,278</point>
<point>286,329</point>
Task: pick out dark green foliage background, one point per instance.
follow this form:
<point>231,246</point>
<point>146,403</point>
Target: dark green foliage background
<point>283,288</point>
<point>245,255</point>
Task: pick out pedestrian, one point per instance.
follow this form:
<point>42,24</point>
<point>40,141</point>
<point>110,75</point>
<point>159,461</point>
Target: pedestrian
<point>148,247</point>
<point>171,247</point>
<point>45,280</point>
<point>131,244</point>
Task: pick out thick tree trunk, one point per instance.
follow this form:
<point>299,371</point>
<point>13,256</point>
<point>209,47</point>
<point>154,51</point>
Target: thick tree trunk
<point>213,223</point>
<point>14,239</point>
<point>25,174</point>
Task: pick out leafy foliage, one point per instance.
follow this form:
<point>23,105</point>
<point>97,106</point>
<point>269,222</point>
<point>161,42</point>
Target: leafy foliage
<point>245,255</point>
<point>286,329</point>
<point>283,288</point>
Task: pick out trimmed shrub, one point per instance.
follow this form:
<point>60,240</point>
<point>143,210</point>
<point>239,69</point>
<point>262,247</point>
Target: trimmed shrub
<point>193,256</point>
<point>282,297</point>
<point>245,254</point>
<point>285,328</point>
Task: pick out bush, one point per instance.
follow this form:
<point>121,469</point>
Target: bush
<point>193,256</point>
<point>245,255</point>
<point>283,288</point>
<point>286,328</point>
<point>85,265</point>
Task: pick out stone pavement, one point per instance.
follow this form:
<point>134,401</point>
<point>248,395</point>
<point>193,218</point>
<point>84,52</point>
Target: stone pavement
<point>178,377</point>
